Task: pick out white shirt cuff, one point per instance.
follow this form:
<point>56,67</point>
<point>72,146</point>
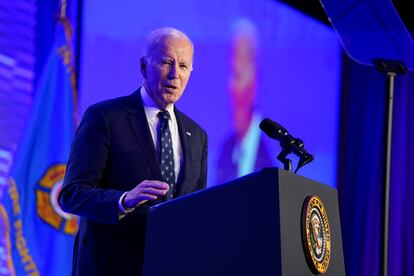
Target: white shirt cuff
<point>123,211</point>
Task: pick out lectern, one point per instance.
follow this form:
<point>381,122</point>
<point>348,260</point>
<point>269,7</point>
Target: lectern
<point>254,225</point>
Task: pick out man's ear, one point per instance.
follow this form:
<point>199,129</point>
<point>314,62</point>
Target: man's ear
<point>143,66</point>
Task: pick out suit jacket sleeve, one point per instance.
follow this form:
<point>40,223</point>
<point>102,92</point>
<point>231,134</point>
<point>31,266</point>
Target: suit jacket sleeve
<point>203,176</point>
<point>83,192</point>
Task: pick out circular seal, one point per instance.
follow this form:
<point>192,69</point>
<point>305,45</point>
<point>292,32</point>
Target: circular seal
<point>47,206</point>
<point>316,234</point>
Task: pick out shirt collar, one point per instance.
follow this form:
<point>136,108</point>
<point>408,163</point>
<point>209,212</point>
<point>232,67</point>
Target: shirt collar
<point>151,108</point>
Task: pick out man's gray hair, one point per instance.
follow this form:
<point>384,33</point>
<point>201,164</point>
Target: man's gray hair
<point>156,36</point>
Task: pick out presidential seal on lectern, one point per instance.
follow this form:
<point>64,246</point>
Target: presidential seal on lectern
<point>316,234</point>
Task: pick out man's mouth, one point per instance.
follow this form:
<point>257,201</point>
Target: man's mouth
<point>170,86</point>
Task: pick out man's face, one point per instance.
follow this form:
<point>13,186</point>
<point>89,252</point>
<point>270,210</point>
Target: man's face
<point>167,70</point>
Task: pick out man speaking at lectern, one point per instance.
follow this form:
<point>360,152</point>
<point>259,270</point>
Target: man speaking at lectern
<point>130,153</point>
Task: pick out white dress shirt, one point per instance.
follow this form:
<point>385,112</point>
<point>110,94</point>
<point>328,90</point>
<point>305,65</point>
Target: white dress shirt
<point>151,110</point>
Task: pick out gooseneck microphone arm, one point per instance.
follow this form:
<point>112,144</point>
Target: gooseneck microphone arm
<point>288,143</point>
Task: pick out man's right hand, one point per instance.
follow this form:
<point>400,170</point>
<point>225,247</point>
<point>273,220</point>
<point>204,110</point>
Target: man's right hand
<point>145,191</point>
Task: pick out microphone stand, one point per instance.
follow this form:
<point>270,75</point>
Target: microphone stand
<point>298,149</point>
<point>282,157</point>
<point>391,68</point>
<point>288,144</point>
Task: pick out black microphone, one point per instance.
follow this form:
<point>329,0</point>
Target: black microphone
<point>273,129</point>
<point>287,141</point>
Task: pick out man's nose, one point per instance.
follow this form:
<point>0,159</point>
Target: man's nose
<point>173,74</point>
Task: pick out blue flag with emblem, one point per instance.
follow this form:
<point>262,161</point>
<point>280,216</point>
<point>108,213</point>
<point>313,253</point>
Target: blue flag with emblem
<point>40,234</point>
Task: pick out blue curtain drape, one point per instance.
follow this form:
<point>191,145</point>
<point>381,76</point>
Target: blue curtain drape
<point>361,171</point>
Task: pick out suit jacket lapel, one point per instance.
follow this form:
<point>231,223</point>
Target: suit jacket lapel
<point>139,126</point>
<point>185,139</point>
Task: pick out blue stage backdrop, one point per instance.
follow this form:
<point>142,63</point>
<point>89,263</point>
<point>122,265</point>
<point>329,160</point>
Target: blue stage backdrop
<point>253,59</point>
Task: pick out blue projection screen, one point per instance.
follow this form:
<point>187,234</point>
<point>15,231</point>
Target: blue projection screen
<point>253,59</point>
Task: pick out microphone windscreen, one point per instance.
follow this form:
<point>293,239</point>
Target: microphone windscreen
<point>272,129</point>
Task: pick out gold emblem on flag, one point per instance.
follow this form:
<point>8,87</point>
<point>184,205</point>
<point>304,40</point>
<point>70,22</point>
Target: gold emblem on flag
<point>316,234</point>
<point>47,205</point>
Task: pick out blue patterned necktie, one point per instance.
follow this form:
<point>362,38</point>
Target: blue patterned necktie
<point>166,152</point>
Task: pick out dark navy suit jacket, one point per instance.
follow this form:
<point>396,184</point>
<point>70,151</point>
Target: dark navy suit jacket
<point>112,152</point>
